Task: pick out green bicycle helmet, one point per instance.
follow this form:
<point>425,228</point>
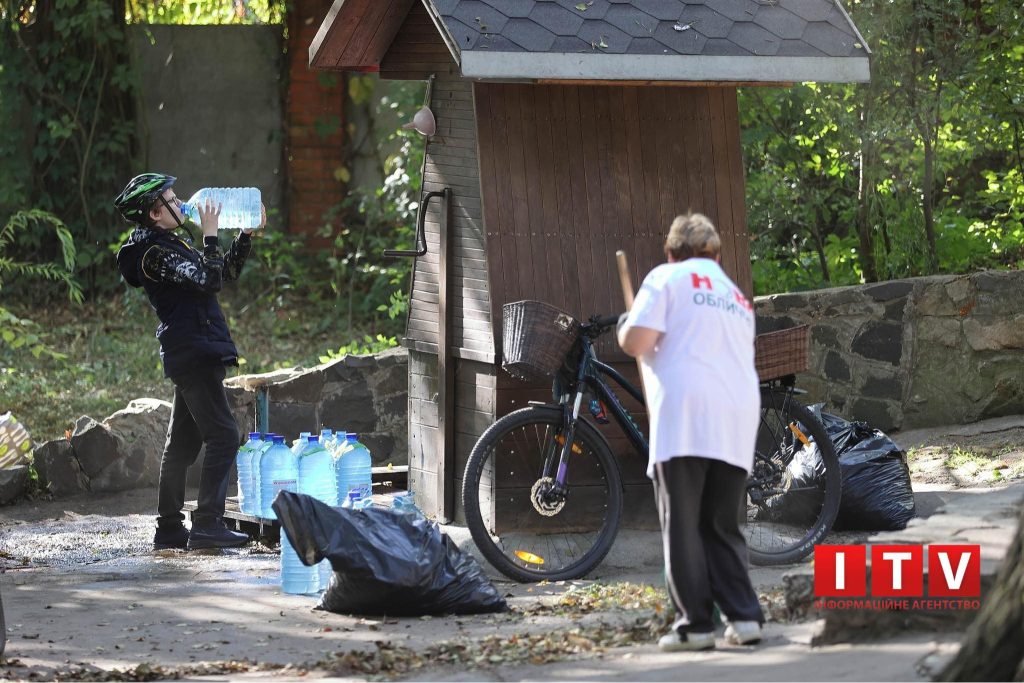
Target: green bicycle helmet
<point>140,194</point>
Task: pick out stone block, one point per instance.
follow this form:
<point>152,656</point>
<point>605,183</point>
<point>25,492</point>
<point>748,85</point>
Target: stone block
<point>382,448</point>
<point>301,387</point>
<point>59,470</point>
<point>895,310</point>
<point>836,368</point>
<point>890,388</point>
<point>934,300</point>
<point>959,290</point>
<point>941,330</point>
<point>879,341</point>
<point>352,411</point>
<point>825,335</point>
<point>878,414</point>
<point>887,291</point>
<point>12,482</point>
<point>96,447</point>
<point>774,324</point>
<point>142,432</point>
<point>992,333</point>
<point>289,419</point>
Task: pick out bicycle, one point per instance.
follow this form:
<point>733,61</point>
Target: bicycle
<point>529,527</point>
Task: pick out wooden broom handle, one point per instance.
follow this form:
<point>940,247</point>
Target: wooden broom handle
<point>627,295</point>
<point>624,279</point>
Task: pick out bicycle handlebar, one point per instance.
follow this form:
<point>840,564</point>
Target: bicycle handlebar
<point>597,325</point>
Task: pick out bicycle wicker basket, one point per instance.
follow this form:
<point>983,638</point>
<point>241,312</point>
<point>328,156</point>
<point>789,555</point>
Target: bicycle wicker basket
<point>777,354</point>
<point>535,339</point>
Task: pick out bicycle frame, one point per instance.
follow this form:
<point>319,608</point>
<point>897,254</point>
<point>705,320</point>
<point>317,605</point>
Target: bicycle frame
<point>589,376</point>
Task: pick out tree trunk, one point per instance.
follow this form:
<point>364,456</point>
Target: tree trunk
<point>866,191</point>
<point>929,204</point>
<point>992,647</point>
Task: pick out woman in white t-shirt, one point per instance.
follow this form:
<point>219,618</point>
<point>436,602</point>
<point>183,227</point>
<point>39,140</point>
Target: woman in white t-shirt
<point>693,331</point>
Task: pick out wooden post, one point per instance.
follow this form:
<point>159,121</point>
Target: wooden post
<point>445,379</point>
<point>627,295</point>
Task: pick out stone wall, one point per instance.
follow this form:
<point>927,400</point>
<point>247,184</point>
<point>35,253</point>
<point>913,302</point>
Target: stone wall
<point>912,353</point>
<point>363,394</point>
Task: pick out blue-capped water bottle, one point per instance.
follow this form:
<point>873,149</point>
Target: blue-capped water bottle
<point>353,466</point>
<point>240,206</point>
<point>243,464</point>
<point>279,471</point>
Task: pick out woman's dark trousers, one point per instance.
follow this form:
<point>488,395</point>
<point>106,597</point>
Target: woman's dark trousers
<point>705,552</point>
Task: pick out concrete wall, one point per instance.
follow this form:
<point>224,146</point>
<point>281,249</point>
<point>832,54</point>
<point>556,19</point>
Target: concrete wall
<point>212,106</point>
<point>912,353</point>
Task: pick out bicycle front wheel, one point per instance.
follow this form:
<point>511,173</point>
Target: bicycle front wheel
<point>794,490</point>
<point>522,523</point>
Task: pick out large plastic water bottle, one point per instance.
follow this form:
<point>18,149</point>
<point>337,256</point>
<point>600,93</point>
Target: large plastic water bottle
<point>243,463</point>
<point>405,504</point>
<point>240,206</point>
<point>353,467</point>
<point>254,505</point>
<point>279,471</point>
<point>296,578</point>
<point>316,472</point>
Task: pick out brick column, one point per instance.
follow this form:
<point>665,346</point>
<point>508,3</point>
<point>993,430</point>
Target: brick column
<point>316,121</point>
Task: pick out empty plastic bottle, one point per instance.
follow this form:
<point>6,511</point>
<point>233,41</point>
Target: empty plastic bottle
<point>404,503</point>
<point>353,466</point>
<point>279,471</point>
<point>243,463</point>
<point>358,499</point>
<point>240,206</point>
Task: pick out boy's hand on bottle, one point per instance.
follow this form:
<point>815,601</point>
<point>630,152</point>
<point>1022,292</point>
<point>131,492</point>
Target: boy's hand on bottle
<point>209,216</point>
<point>263,221</point>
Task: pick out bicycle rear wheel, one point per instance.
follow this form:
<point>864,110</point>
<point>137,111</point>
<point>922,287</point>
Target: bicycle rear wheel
<point>526,530</point>
<point>794,491</point>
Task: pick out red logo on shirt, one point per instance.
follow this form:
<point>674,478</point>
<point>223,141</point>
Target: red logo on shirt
<point>699,280</point>
<point>742,300</point>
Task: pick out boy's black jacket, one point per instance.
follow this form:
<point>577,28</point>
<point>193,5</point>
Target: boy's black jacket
<point>182,284</point>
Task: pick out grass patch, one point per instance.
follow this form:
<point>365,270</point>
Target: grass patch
<point>111,355</point>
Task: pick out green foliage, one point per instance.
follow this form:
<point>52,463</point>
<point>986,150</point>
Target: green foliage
<point>917,172</point>
<point>67,114</point>
<point>206,12</point>
<point>17,332</point>
<point>369,345</point>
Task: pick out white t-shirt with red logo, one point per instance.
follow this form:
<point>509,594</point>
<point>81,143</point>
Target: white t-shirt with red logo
<point>700,378</point>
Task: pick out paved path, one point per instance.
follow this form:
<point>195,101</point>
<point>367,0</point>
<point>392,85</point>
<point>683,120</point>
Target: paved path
<point>94,595</point>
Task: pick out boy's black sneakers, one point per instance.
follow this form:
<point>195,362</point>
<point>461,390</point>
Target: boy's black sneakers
<point>175,538</point>
<point>215,537</point>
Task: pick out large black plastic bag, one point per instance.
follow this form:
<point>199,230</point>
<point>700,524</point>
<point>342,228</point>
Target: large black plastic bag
<point>384,562</point>
<point>877,494</point>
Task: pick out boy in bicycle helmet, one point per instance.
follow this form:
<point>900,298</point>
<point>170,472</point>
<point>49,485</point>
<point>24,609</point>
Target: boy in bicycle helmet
<point>693,331</point>
<point>181,283</point>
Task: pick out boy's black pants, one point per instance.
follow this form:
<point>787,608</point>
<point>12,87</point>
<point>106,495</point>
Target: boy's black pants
<point>200,414</point>
<point>705,552</point>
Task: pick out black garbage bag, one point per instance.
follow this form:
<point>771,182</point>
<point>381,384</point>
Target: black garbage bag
<point>876,490</point>
<point>877,493</point>
<point>385,562</point>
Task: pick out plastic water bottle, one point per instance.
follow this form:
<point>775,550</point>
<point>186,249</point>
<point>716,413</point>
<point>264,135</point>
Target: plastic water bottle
<point>279,471</point>
<point>353,466</point>
<point>358,499</point>
<point>240,206</point>
<point>255,504</point>
<point>296,578</point>
<point>300,442</point>
<point>243,462</point>
<point>405,504</point>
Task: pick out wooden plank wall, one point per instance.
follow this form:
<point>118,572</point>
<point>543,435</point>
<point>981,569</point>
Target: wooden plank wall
<point>451,161</point>
<point>570,174</point>
<point>475,384</point>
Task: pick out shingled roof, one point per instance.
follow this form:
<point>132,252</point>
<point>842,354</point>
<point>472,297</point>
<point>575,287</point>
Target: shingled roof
<point>673,40</point>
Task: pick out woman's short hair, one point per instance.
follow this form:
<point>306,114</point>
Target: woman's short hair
<point>692,235</point>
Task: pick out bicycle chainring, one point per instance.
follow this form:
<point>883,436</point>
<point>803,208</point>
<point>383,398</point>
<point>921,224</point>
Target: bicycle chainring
<point>544,502</point>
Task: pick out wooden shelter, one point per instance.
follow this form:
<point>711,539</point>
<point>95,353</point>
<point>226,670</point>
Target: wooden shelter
<point>565,130</point>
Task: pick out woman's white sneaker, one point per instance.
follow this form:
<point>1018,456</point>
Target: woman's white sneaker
<point>674,642</point>
<point>743,632</point>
